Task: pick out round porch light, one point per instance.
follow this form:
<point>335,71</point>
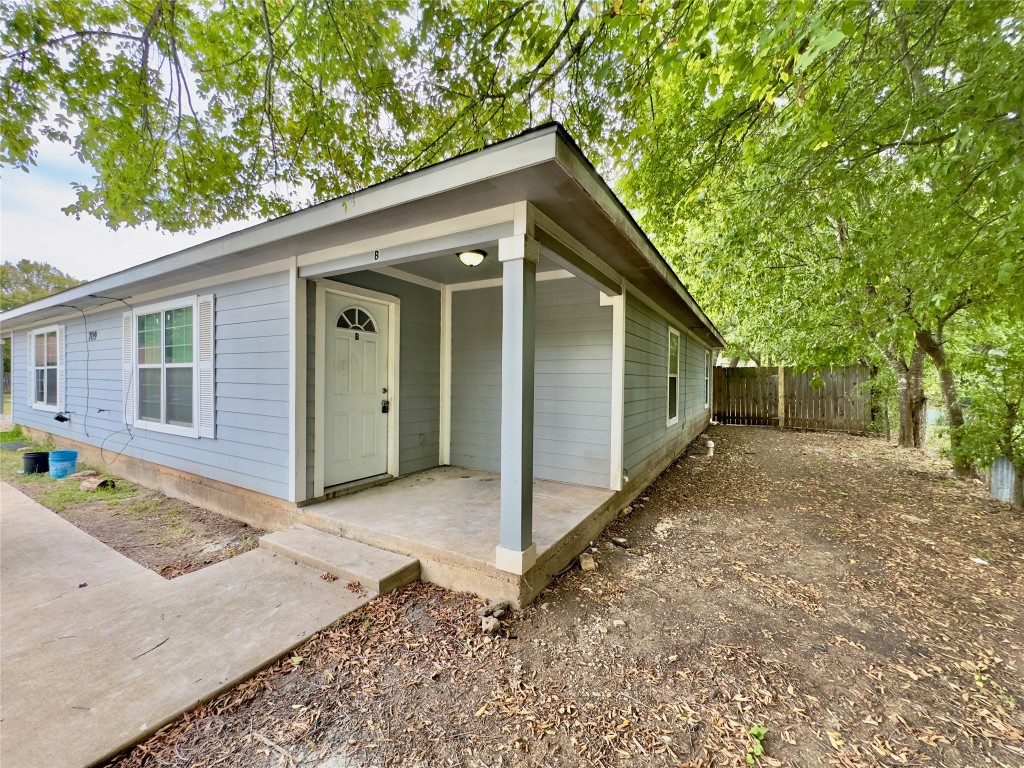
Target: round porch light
<point>472,258</point>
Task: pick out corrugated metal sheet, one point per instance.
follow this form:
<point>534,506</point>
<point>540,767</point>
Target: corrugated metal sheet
<point>1006,481</point>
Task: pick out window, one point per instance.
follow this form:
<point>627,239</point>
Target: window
<point>168,359</point>
<point>46,369</point>
<point>166,368</point>
<point>673,377</point>
<point>707,378</point>
<point>357,319</point>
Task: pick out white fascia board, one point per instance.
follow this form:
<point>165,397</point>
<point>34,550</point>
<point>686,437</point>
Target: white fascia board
<point>409,244</point>
<point>516,154</point>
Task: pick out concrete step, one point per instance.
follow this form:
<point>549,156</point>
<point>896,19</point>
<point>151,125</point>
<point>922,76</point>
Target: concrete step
<point>374,569</point>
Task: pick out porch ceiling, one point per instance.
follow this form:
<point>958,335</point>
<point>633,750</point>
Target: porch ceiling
<point>448,270</point>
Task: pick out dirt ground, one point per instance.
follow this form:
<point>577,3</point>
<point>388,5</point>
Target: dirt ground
<point>800,599</point>
<point>166,535</point>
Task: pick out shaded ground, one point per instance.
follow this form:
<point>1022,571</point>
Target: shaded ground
<point>817,586</point>
<point>166,535</point>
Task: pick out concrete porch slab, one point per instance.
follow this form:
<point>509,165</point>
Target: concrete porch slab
<point>89,671</point>
<point>449,519</point>
<point>375,569</point>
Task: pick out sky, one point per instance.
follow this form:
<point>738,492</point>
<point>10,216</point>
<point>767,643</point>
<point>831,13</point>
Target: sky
<point>33,226</point>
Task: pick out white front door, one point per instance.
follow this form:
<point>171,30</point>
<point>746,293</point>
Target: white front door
<point>356,428</point>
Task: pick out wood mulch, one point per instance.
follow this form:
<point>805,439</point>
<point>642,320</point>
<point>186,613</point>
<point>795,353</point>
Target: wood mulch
<point>849,603</point>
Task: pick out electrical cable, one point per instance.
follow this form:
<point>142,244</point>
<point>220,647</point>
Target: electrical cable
<point>124,412</point>
<point>124,406</point>
<point>85,322</point>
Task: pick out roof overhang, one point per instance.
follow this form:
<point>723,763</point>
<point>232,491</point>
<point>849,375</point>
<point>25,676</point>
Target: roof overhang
<point>542,166</point>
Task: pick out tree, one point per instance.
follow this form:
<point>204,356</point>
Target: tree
<point>991,359</point>
<point>868,198</point>
<point>324,96</point>
<point>30,280</point>
<point>837,181</point>
<point>27,281</point>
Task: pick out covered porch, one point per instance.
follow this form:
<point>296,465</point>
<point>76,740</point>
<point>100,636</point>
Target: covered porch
<point>447,518</point>
<point>490,431</point>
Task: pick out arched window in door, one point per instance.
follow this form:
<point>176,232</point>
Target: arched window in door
<point>356,319</point>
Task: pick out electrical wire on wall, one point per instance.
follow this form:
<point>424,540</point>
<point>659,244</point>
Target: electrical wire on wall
<point>124,406</point>
<point>88,375</point>
<point>66,411</point>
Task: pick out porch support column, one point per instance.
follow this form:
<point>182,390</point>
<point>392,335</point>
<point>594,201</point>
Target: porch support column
<point>518,256</point>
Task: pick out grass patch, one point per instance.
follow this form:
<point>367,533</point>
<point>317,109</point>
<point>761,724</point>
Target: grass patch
<point>13,434</point>
<point>142,508</point>
<point>62,495</point>
<point>58,495</point>
<point>176,529</point>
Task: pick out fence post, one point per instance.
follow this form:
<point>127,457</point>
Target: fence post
<point>782,396</point>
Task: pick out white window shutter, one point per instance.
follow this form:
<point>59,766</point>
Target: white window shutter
<point>30,356</point>
<point>128,367</point>
<point>61,360</point>
<point>207,395</point>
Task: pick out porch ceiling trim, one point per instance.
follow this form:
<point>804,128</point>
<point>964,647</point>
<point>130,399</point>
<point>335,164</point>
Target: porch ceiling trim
<point>570,254</point>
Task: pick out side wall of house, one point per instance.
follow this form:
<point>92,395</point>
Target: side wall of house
<point>251,342</point>
<point>572,382</point>
<point>646,433</point>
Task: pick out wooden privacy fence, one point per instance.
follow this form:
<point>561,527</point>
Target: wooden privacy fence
<point>835,399</point>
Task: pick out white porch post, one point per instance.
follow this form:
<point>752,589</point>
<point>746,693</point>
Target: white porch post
<point>518,255</point>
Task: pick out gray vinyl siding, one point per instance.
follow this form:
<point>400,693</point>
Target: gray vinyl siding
<point>419,368</point>
<point>645,406</point>
<point>572,382</point>
<point>251,339</point>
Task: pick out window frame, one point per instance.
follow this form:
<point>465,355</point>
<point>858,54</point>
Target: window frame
<point>191,302</point>
<point>671,420</point>
<point>707,379</point>
<point>58,401</point>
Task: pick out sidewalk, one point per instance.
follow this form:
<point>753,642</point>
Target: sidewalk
<point>97,651</point>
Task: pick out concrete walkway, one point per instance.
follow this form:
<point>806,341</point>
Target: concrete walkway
<point>97,651</point>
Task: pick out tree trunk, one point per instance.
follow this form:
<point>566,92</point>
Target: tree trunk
<point>933,345</point>
<point>913,403</point>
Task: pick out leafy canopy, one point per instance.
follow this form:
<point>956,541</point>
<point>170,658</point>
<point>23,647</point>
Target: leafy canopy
<point>28,280</point>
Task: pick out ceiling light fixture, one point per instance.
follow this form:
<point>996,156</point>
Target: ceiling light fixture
<point>472,258</point>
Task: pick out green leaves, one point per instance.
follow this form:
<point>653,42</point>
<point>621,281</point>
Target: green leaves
<point>821,44</point>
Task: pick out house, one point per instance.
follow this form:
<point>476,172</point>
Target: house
<point>479,364</point>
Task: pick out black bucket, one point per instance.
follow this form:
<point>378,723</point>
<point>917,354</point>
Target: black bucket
<point>35,462</point>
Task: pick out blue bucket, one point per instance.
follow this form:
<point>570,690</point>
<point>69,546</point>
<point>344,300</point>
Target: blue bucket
<point>63,463</point>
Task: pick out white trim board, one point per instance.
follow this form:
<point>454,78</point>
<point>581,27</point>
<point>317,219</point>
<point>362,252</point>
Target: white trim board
<point>297,362</point>
<point>445,421</point>
<point>618,427</point>
<point>408,277</point>
<point>411,244</point>
<point>274,267</point>
<point>605,278</point>
<point>494,282</point>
